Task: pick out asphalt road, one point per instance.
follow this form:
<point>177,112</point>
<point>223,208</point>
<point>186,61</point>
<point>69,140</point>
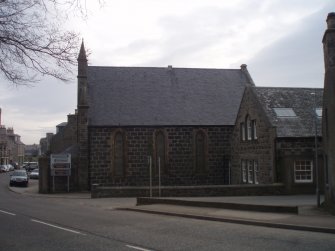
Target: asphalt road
<point>35,223</point>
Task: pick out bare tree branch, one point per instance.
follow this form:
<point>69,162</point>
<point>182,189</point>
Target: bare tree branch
<point>33,42</point>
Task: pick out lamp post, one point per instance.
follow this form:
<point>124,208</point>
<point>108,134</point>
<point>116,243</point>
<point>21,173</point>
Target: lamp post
<point>316,152</point>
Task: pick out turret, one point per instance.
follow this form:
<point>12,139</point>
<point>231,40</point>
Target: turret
<point>82,77</point>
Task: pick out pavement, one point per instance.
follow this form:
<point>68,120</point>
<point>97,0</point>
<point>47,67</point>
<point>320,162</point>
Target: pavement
<point>296,212</point>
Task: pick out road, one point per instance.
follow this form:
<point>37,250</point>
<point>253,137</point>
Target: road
<point>35,223</point>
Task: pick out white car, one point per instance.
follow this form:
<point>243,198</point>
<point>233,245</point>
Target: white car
<point>34,174</point>
<point>10,167</point>
<point>3,168</point>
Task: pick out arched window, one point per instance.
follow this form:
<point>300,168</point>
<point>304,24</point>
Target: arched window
<point>118,154</point>
<point>160,151</point>
<point>200,151</point>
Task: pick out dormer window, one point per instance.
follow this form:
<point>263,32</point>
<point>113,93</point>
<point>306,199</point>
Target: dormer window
<point>285,112</point>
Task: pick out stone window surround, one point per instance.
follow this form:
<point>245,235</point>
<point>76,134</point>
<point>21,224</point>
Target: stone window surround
<point>155,160</point>
<point>248,129</point>
<point>195,133</point>
<point>125,157</point>
<point>249,171</point>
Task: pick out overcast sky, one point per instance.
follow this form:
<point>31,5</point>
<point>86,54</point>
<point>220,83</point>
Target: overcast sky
<point>279,40</point>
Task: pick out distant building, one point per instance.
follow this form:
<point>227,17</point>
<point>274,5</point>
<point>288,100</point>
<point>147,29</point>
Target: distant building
<point>45,144</point>
<point>31,151</point>
<point>11,147</point>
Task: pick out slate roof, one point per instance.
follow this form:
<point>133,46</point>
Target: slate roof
<point>302,102</point>
<point>163,96</point>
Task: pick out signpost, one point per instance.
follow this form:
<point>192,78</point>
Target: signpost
<point>60,165</point>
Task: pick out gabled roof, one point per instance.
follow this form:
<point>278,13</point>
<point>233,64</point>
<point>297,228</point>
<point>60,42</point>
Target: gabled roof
<point>163,96</point>
<point>303,103</point>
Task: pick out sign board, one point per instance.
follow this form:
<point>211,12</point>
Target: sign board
<point>60,164</point>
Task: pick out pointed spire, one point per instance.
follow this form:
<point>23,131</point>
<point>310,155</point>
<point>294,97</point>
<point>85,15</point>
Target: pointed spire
<point>82,52</point>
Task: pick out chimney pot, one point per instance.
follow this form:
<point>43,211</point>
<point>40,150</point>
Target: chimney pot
<point>243,66</point>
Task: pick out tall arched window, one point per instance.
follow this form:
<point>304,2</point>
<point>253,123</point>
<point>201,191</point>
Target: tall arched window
<point>118,155</point>
<point>200,151</point>
<point>160,151</point>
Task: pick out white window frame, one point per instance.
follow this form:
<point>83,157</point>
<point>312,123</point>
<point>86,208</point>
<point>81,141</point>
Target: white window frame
<point>244,171</point>
<point>256,172</point>
<point>301,170</point>
<point>249,128</point>
<point>318,112</point>
<point>250,171</point>
<point>242,131</point>
<point>254,129</point>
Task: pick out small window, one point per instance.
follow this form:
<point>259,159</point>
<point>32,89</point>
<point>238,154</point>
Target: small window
<point>118,154</point>
<point>256,172</point>
<point>249,128</point>
<point>160,151</point>
<point>303,171</point>
<point>318,112</point>
<point>242,128</point>
<point>250,172</point>
<point>285,112</point>
<point>200,154</point>
<point>254,129</point>
<point>244,171</point>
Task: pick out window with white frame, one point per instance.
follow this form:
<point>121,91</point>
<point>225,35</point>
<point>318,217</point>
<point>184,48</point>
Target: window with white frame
<point>303,171</point>
<point>249,129</point>
<point>256,172</point>
<point>250,172</point>
<point>244,171</point>
<point>254,129</point>
<point>242,128</point>
<point>318,112</point>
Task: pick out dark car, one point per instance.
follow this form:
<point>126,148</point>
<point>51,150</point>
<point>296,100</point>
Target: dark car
<point>19,177</point>
<point>30,166</point>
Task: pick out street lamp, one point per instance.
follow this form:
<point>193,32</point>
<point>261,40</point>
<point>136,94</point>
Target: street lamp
<point>316,152</point>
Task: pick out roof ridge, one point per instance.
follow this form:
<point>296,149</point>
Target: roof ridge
<point>161,67</point>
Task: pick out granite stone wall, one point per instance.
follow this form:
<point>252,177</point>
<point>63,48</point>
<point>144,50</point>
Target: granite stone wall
<point>289,150</point>
<point>179,156</point>
<point>260,149</point>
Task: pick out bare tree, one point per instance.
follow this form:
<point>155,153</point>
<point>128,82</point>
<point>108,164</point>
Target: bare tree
<point>33,41</point>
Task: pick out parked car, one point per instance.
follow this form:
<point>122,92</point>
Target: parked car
<point>19,177</point>
<point>34,174</point>
<point>3,168</point>
<point>30,166</point>
<point>10,167</point>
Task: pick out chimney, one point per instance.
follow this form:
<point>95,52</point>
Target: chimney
<point>247,74</point>
<point>328,110</point>
<point>331,20</point>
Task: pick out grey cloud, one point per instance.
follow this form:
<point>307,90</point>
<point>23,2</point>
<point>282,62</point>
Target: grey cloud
<point>296,59</point>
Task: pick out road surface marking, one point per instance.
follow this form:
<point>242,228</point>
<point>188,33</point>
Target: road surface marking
<point>138,248</point>
<point>7,213</point>
<point>62,228</point>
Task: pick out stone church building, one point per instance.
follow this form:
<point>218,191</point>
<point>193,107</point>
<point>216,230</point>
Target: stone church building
<point>201,131</point>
